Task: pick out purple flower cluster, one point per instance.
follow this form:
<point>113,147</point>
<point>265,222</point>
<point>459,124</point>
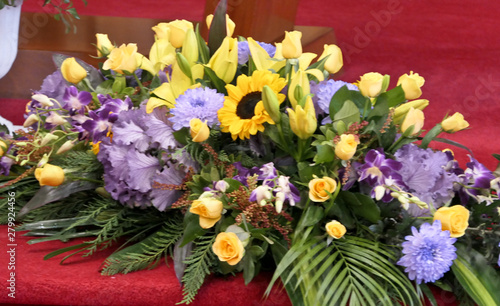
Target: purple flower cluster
<point>244,51</point>
<point>138,156</point>
<point>428,253</point>
<point>201,103</point>
<point>323,93</point>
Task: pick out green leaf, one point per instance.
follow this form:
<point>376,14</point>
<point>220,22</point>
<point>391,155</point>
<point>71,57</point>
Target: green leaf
<point>217,31</point>
<point>311,216</point>
<point>349,113</point>
<point>476,276</point>
<point>433,133</point>
<point>393,97</point>
<point>367,209</point>
<point>248,268</point>
<point>192,228</point>
<point>344,94</point>
<point>202,47</point>
<point>324,154</point>
<point>219,84</point>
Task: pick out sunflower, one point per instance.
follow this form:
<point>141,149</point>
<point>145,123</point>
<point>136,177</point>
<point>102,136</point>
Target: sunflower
<point>243,113</point>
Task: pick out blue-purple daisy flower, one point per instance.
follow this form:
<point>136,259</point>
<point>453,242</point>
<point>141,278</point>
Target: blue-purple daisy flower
<point>428,253</point>
<point>244,51</point>
<point>201,103</point>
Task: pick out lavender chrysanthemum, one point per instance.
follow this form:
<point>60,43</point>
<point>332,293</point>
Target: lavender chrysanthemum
<point>429,253</point>
<point>424,173</point>
<point>244,51</point>
<point>201,103</point>
<point>323,93</point>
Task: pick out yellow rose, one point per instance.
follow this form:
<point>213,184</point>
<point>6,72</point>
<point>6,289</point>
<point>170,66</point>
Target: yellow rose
<point>72,71</point>
<point>199,130</point>
<point>454,123</point>
<point>50,175</point>
<point>122,59</point>
<point>346,147</point>
<point>318,188</point>
<point>104,45</point>
<point>411,85</point>
<point>174,31</point>
<point>229,248</point>
<point>335,229</point>
<point>230,25</point>
<point>334,61</point>
<point>454,219</point>
<point>415,118</point>
<point>371,84</point>
<point>3,147</point>
<point>209,210</point>
<point>401,111</point>
<point>303,120</point>
<point>291,45</point>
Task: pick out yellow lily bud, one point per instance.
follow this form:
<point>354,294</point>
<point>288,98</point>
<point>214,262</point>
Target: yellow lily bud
<point>401,111</point>
<point>224,62</point>
<point>104,45</point>
<point>230,25</point>
<point>122,59</point>
<point>371,84</point>
<point>346,147</point>
<point>454,123</point>
<point>199,130</point>
<point>291,45</point>
<point>334,61</point>
<point>298,79</point>
<point>3,147</point>
<point>162,54</point>
<point>411,85</point>
<point>190,47</point>
<point>415,118</point>
<point>72,71</point>
<point>271,103</point>
<point>50,175</point>
<point>303,120</point>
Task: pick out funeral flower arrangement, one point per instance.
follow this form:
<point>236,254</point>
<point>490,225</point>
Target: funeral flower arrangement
<point>234,155</point>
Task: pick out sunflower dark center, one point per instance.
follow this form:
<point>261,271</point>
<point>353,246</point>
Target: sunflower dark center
<point>246,107</point>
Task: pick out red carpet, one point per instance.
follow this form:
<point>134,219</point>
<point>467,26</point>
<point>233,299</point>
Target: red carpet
<point>454,46</point>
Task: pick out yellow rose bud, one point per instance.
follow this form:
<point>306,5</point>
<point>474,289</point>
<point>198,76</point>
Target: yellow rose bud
<point>334,61</point>
<point>72,71</point>
<point>415,118</point>
<point>162,31</point>
<point>199,130</point>
<point>209,209</point>
<point>3,148</point>
<point>454,123</point>
<point>291,45</point>
<point>228,247</point>
<point>122,59</point>
<point>346,147</point>
<point>401,111</point>
<point>303,120</point>
<point>224,62</point>
<point>230,25</point>
<point>454,219</point>
<point>335,229</point>
<point>49,175</point>
<point>320,187</point>
<point>177,31</point>
<point>371,84</point>
<point>411,85</point>
<point>104,45</point>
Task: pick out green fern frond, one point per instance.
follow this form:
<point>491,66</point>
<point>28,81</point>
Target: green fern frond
<point>146,254</point>
<point>198,267</point>
<point>350,269</point>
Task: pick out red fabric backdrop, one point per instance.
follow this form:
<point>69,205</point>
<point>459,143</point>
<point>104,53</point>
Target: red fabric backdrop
<point>453,45</point>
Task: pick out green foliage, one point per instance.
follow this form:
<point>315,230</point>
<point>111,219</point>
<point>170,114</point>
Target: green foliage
<point>147,253</point>
<point>349,269</point>
<point>198,267</point>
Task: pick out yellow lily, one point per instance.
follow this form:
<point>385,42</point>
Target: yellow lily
<point>303,120</point>
<point>224,62</point>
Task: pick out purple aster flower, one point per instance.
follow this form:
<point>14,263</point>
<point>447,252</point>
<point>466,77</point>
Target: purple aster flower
<point>424,173</point>
<point>429,253</point>
<point>201,103</point>
<point>244,51</point>
<point>75,101</point>
<point>378,170</point>
<point>323,93</point>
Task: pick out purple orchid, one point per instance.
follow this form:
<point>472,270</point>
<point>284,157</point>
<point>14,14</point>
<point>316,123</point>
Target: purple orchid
<point>75,101</point>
